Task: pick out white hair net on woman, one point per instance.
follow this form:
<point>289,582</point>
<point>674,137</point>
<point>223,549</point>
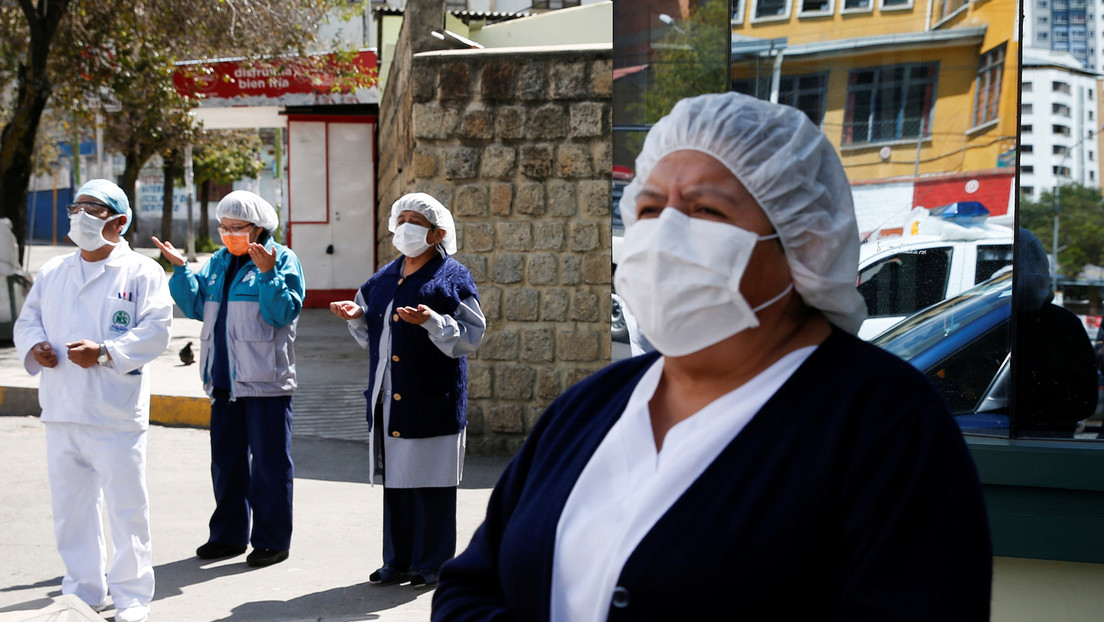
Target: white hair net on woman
<point>437,214</point>
<point>792,171</point>
<point>250,207</point>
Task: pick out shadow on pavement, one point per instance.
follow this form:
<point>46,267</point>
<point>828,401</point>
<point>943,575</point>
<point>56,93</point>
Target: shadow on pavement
<point>174,576</point>
<point>32,605</point>
<point>355,602</point>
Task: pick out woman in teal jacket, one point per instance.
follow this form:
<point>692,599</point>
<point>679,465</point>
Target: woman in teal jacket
<point>247,363</point>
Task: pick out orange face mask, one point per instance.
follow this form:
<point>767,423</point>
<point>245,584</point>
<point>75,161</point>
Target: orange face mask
<point>236,243</point>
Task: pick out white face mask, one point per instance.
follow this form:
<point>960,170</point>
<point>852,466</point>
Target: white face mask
<point>86,231</point>
<point>680,278</point>
<point>410,239</point>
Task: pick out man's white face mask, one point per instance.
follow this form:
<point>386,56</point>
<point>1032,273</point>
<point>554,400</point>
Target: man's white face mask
<point>86,231</point>
<point>680,278</point>
<point>410,239</point>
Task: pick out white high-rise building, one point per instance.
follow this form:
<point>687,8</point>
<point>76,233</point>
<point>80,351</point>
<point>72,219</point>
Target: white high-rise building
<point>1072,26</point>
<point>1059,122</point>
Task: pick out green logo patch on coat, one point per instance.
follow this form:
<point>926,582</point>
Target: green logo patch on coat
<point>121,317</point>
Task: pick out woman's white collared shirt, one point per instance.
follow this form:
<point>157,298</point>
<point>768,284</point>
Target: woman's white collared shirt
<point>627,485</point>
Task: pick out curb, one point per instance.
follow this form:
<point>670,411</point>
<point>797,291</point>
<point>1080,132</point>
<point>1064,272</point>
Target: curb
<point>168,410</point>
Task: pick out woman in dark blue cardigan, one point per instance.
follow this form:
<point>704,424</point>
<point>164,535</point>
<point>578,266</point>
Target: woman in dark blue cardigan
<point>765,463</point>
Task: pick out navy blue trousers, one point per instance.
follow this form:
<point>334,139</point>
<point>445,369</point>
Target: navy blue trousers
<point>419,527</point>
<point>251,470</point>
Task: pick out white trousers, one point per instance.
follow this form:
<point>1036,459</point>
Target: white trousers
<point>89,465</point>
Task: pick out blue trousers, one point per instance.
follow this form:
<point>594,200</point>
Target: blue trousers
<point>251,470</point>
<point>419,527</point>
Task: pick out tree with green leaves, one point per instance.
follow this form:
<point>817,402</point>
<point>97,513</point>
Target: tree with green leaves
<point>76,53</point>
<point>1080,226</point>
<point>691,60</point>
<point>223,157</point>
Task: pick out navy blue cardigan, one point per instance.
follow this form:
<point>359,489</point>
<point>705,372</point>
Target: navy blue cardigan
<point>850,496</point>
<point>430,387</point>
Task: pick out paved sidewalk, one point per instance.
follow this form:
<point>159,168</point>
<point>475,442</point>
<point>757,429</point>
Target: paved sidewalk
<point>337,540</point>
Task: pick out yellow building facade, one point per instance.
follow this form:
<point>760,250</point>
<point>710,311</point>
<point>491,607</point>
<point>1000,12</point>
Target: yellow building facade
<point>903,89</point>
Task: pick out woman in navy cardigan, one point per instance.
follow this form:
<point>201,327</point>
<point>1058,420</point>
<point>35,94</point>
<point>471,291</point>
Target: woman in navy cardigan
<point>764,463</point>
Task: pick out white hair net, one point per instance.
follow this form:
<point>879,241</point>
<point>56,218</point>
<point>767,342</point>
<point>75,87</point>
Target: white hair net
<point>792,171</point>
<point>437,214</point>
<point>250,207</point>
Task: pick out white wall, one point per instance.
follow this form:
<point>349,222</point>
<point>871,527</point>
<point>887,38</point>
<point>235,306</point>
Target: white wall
<point>592,23</point>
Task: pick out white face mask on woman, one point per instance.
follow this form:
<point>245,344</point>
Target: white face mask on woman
<point>680,278</point>
<point>86,231</point>
<point>410,239</point>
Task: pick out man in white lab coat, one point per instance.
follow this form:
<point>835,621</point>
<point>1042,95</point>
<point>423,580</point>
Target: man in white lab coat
<point>91,323</point>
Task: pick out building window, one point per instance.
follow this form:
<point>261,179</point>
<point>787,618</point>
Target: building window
<point>771,9</point>
<point>987,95</point>
<point>1059,87</point>
<point>816,7</point>
<point>1027,168</point>
<point>1042,4</point>
<point>896,4</point>
<point>1092,176</point>
<point>737,11</point>
<point>1042,36</point>
<point>1025,129</point>
<point>1026,108</point>
<point>889,103</point>
<point>1042,19</point>
<point>1059,150</point>
<point>946,7</point>
<point>1026,149</point>
<point>857,5</point>
<point>807,93</point>
<point>1027,190</point>
<point>1061,110</point>
<point>1060,171</point>
<point>1060,130</point>
<point>1025,87</point>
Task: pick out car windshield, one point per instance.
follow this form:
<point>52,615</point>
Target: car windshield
<point>922,330</point>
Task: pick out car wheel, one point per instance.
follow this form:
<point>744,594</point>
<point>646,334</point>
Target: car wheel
<point>618,330</point>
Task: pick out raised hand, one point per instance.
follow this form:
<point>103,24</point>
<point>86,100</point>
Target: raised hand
<point>346,309</point>
<point>169,252</point>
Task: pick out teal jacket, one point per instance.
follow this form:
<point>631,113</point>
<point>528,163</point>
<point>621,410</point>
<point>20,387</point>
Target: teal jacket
<point>260,320</point>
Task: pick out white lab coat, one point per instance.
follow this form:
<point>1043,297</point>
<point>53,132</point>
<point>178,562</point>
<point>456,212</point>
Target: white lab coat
<point>125,304</point>
<point>96,418</point>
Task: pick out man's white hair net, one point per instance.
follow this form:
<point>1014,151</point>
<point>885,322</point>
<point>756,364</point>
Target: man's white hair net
<point>792,171</point>
<point>250,207</point>
<point>437,214</point>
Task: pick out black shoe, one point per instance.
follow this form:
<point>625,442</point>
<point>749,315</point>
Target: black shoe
<point>423,580</point>
<point>260,558</point>
<point>388,576</point>
<point>214,550</point>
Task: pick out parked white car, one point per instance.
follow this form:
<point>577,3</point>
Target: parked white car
<point>937,256</point>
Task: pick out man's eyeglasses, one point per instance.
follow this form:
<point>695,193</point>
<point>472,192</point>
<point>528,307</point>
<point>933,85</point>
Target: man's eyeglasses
<point>238,230</point>
<point>99,210</point>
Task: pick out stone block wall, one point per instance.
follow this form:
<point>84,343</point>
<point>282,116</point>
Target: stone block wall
<point>517,143</point>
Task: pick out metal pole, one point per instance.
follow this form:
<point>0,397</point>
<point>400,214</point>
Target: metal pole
<point>1054,238</point>
<point>189,187</point>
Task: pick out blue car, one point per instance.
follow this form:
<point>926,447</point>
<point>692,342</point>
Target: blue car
<point>962,345</point>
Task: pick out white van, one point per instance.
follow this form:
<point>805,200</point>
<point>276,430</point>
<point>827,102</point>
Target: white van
<point>937,255</point>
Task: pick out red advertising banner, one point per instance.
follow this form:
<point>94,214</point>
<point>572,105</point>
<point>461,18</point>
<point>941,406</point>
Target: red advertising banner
<point>291,81</point>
